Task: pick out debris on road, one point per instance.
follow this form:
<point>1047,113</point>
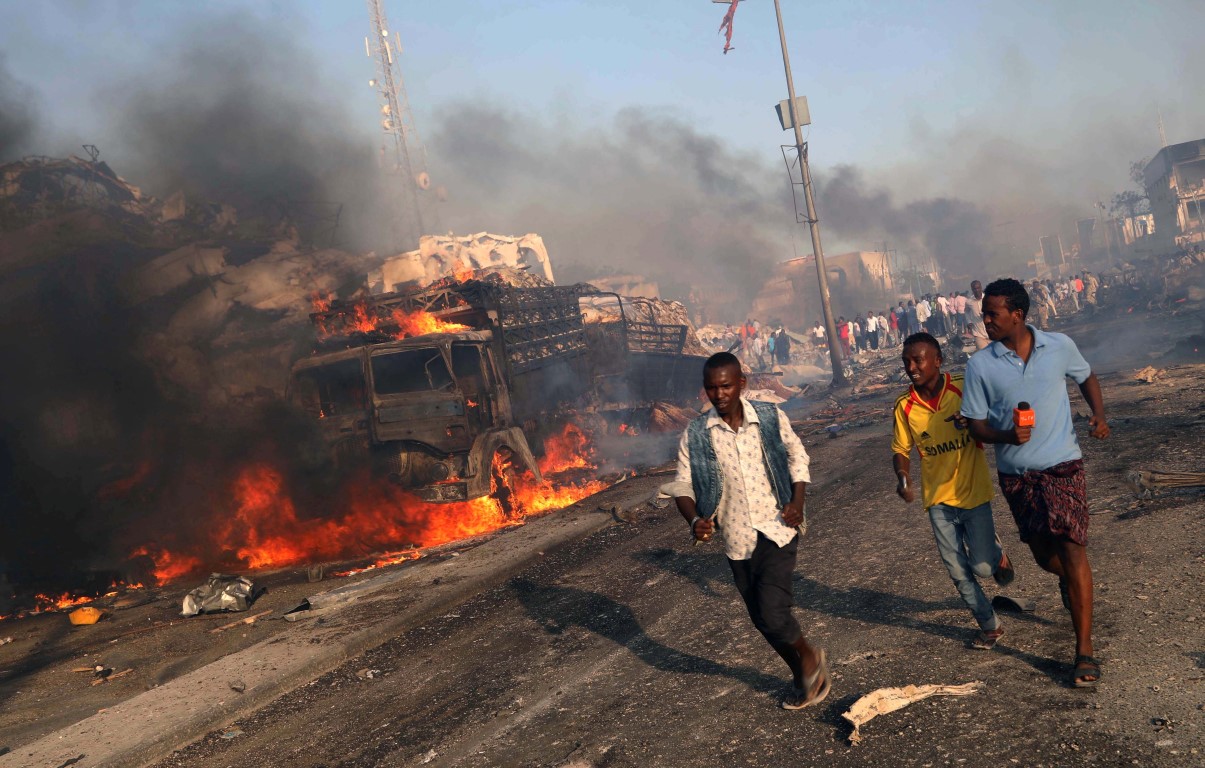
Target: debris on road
<point>104,678</point>
<point>1149,374</point>
<point>221,592</point>
<point>247,620</point>
<point>886,700</point>
<point>1146,483</point>
<point>86,615</point>
<point>238,686</point>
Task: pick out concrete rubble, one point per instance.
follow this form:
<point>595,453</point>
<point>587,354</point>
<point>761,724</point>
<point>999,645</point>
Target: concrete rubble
<point>438,256</point>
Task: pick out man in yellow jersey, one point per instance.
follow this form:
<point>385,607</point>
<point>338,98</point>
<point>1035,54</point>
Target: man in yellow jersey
<point>955,481</point>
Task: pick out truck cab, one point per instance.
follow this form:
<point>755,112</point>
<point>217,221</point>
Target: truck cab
<point>429,412</point>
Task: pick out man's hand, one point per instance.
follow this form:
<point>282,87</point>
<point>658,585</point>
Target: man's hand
<point>960,421</point>
<point>792,514</point>
<point>904,489</point>
<point>1100,427</point>
<point>704,528</point>
<point>1021,435</point>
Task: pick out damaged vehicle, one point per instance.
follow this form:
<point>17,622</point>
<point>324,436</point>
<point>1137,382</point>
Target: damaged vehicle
<point>443,413</point>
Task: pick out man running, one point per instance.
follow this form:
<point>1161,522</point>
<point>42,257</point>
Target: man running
<point>743,470</point>
<point>1041,468</point>
<point>957,490</point>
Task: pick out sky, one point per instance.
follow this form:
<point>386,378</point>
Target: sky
<point>1020,107</point>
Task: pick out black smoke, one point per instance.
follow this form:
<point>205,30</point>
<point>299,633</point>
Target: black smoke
<point>247,117</point>
<point>643,193</point>
<point>649,194</point>
<point>956,233</point>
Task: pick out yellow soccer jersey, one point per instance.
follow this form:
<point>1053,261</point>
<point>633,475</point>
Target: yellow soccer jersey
<point>953,467</point>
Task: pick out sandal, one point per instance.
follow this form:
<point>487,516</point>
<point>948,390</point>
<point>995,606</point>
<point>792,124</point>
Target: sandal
<point>1090,666</point>
<point>798,697</point>
<point>986,640</point>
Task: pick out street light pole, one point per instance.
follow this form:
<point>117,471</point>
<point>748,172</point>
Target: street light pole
<point>830,326</point>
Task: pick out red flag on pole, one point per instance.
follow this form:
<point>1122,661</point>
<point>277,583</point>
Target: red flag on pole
<point>726,26</point>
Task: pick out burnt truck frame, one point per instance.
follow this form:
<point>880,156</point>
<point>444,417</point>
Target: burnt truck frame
<point>430,412</point>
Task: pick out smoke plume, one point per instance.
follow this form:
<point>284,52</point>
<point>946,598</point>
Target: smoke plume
<point>220,123</point>
<point>645,194</point>
<point>18,118</point>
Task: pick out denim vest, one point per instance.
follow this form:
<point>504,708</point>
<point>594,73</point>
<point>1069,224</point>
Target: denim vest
<point>705,473</point>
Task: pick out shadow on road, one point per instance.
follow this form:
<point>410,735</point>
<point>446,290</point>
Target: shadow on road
<point>702,571</point>
<point>558,608</point>
<point>861,604</point>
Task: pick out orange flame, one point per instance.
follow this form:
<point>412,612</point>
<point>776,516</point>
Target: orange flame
<point>571,449</point>
<point>264,529</point>
<point>365,318</point>
<point>421,323</point>
<point>169,566</point>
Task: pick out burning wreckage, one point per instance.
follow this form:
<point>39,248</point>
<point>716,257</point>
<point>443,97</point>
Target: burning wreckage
<point>195,311</point>
<point>453,389</point>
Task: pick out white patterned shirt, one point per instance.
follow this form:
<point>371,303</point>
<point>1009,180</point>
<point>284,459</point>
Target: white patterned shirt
<point>747,504</point>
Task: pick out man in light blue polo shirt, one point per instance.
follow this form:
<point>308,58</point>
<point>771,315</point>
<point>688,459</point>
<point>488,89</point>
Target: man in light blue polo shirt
<point>1041,468</point>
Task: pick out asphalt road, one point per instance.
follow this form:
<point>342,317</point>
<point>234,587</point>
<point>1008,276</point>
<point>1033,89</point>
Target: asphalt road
<point>630,647</point>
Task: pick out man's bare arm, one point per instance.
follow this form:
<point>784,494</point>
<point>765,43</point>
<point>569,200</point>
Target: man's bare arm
<point>986,433</point>
<point>703,527</point>
<point>792,514</point>
<point>903,467</point>
<point>1090,389</point>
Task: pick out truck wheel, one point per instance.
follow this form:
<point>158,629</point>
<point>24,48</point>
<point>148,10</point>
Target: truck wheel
<point>503,477</point>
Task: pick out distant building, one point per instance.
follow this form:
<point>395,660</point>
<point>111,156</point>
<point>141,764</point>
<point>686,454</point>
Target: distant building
<point>1175,184</point>
<point>857,282</point>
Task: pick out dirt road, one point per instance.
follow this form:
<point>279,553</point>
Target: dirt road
<point>630,647</point>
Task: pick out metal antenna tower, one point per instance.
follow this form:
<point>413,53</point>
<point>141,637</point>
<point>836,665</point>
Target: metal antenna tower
<point>396,119</point>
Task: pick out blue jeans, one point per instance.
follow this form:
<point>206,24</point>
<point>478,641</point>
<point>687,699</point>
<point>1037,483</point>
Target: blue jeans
<point>967,543</point>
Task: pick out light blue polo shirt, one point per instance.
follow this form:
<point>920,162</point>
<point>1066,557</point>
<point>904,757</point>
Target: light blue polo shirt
<point>997,379</point>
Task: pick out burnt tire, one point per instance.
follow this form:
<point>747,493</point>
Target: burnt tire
<point>503,477</point>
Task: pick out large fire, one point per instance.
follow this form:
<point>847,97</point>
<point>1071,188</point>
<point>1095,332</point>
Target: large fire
<point>263,528</point>
<point>571,449</point>
<point>364,317</point>
<point>61,601</point>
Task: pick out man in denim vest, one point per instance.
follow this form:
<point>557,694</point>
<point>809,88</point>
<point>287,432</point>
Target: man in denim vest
<point>743,470</point>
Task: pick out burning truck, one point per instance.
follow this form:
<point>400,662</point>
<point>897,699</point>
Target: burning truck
<point>450,389</point>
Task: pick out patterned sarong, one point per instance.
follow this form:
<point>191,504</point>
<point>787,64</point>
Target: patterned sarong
<point>1049,502</point>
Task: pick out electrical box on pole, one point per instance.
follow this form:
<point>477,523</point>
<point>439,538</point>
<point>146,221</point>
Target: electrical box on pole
<point>801,110</point>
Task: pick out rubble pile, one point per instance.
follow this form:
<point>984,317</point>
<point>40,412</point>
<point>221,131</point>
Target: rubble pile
<point>225,303</point>
<point>38,188</point>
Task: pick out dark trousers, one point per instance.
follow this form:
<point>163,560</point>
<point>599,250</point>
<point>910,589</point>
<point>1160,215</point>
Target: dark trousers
<point>764,583</point>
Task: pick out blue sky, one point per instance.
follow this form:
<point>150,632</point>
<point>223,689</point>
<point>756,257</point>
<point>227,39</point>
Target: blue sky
<point>875,72</point>
<point>927,98</point>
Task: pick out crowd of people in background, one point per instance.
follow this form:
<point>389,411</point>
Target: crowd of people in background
<point>956,313</point>
<point>943,315</point>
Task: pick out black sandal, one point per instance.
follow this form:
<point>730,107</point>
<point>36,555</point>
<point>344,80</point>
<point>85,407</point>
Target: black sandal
<point>799,698</point>
<point>1091,667</point>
